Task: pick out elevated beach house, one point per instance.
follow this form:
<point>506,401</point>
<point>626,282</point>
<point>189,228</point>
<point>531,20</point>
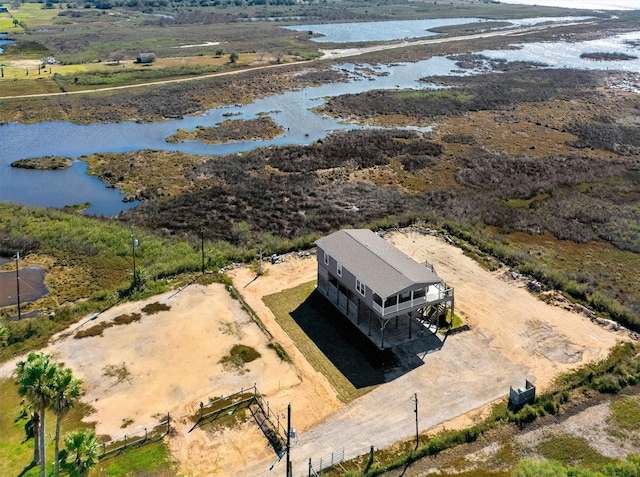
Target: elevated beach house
<point>389,296</point>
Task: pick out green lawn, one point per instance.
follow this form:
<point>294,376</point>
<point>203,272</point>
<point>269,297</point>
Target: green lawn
<point>16,453</point>
<point>332,345</point>
<point>151,459</point>
<point>6,23</point>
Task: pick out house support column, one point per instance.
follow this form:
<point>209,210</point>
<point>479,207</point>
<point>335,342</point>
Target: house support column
<point>410,315</point>
<point>347,305</point>
<point>369,321</point>
<point>358,313</point>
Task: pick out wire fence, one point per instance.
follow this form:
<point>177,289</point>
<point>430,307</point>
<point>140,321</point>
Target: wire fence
<point>136,439</point>
<point>336,458</point>
<point>325,462</point>
<point>250,398</point>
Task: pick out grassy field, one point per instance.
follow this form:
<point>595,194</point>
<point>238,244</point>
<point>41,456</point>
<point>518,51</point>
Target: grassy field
<point>314,326</point>
<point>85,39</point>
<point>30,15</point>
<point>28,76</point>
<point>89,267</point>
<point>151,459</point>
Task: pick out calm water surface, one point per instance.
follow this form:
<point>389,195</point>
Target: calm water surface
<point>403,29</point>
<point>290,110</point>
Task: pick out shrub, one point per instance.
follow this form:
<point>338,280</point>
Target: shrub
<point>607,384</point>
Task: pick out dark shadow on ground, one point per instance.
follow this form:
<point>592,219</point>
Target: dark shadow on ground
<point>413,353</point>
<point>357,358</point>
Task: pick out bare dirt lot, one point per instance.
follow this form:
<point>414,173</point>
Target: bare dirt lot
<point>514,336</point>
<point>172,359</point>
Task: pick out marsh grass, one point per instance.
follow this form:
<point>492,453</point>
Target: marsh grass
<point>263,128</point>
<point>625,414</point>
<point>570,450</point>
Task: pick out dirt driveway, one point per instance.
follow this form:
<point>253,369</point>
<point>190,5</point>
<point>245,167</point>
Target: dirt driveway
<point>514,336</point>
<point>171,360</point>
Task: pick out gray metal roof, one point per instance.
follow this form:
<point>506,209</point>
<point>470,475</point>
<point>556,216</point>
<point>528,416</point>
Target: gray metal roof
<point>375,262</point>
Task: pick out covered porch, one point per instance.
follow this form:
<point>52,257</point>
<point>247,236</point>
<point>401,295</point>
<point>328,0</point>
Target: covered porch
<point>391,324</point>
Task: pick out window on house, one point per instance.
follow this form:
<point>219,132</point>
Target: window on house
<point>405,297</point>
<point>326,258</point>
<point>419,293</point>
<point>377,299</point>
<point>391,301</point>
<point>339,269</point>
<point>360,287</point>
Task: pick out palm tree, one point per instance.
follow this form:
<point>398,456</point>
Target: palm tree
<point>66,390</point>
<point>80,453</point>
<point>35,376</point>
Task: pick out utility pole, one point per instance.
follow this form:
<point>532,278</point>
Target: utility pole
<point>134,244</point>
<point>18,283</point>
<point>202,248</point>
<point>288,441</point>
<point>415,398</point>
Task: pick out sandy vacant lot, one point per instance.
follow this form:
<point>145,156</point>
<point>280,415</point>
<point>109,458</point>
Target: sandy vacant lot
<point>172,360</point>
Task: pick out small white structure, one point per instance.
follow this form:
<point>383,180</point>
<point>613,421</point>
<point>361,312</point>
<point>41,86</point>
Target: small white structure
<point>521,396</point>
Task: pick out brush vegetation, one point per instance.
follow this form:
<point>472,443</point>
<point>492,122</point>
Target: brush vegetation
<point>44,163</point>
<point>231,130</point>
